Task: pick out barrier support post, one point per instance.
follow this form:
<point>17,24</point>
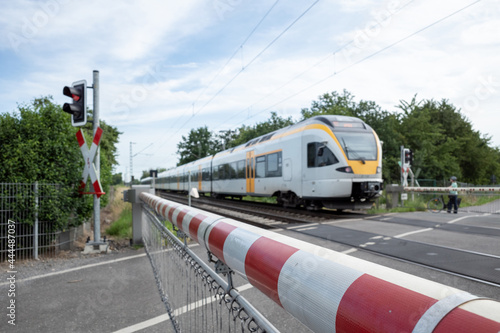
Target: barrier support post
<point>138,215</point>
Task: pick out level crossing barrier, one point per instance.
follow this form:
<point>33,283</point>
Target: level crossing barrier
<point>474,194</point>
<point>208,302</point>
<point>326,290</point>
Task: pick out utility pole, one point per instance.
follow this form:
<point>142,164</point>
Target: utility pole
<point>97,161</point>
<point>131,163</point>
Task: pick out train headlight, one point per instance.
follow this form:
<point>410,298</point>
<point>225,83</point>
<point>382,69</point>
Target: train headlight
<point>379,169</point>
<point>345,169</point>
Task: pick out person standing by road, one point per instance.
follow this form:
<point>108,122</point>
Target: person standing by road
<point>453,195</point>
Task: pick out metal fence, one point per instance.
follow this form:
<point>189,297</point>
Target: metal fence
<point>22,234</point>
<point>197,299</point>
<point>485,200</point>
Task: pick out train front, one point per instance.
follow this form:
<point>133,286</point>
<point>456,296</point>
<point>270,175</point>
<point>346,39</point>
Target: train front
<point>360,167</point>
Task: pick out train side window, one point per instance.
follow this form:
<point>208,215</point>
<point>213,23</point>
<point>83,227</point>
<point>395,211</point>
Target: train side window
<point>274,165</point>
<point>222,174</point>
<point>215,174</point>
<point>241,169</point>
<point>319,155</point>
<point>260,167</point>
<point>232,170</point>
<point>311,155</point>
<point>327,158</point>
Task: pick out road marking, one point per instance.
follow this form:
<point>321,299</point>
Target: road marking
<point>341,221</point>
<point>177,312</point>
<point>465,217</point>
<point>351,250</point>
<point>302,226</point>
<point>413,232</point>
<point>82,267</point>
<point>77,268</point>
<point>376,237</point>
<point>309,228</point>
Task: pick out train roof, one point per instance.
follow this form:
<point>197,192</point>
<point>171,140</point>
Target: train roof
<point>333,121</point>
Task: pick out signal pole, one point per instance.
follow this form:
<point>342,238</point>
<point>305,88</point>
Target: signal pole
<point>97,160</point>
<point>78,111</point>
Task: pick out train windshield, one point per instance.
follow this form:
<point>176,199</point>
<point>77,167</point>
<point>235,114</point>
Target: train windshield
<point>358,146</point>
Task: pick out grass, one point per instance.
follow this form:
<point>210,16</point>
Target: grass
<point>122,228</point>
<point>121,213</point>
<point>271,200</point>
<point>477,200</point>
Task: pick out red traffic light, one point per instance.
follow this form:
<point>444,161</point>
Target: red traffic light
<point>74,92</point>
<point>77,109</point>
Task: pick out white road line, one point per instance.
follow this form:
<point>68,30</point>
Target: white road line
<point>413,232</point>
<point>466,217</point>
<point>81,267</point>
<point>351,250</point>
<point>309,228</point>
<point>302,226</point>
<point>341,221</point>
<point>77,268</point>
<point>177,312</point>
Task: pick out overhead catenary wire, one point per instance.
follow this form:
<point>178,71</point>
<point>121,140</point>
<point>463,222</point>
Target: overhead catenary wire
<point>314,65</point>
<point>244,67</point>
<point>336,72</point>
<point>365,58</point>
<point>257,56</point>
<point>222,69</point>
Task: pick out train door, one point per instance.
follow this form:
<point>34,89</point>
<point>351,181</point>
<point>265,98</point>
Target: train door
<point>309,172</point>
<point>250,171</point>
<point>200,177</point>
<point>287,170</point>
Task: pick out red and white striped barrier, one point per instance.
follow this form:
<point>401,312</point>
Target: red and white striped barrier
<point>448,189</point>
<point>330,291</point>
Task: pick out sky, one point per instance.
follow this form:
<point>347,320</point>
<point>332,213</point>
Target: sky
<point>166,67</point>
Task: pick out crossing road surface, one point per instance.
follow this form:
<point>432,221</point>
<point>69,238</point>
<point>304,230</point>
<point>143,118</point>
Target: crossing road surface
<point>119,294</point>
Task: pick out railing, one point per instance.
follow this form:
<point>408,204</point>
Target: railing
<point>484,200</point>
<point>326,290</point>
<point>30,237</point>
<point>209,303</point>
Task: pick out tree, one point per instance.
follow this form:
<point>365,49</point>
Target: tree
<point>37,143</point>
<point>445,144</point>
<point>117,179</point>
<point>146,174</point>
<point>247,133</point>
<point>198,144</point>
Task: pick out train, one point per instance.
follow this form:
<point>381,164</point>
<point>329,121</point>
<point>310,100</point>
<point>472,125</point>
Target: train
<point>324,161</point>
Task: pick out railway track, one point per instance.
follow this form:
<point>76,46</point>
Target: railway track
<point>479,267</point>
<point>260,214</point>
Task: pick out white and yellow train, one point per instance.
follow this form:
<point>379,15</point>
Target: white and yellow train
<point>324,161</point>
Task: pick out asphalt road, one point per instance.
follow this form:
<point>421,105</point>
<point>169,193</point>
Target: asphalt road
<point>118,293</point>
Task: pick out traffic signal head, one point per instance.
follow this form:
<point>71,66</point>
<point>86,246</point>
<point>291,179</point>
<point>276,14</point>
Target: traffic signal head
<point>77,109</point>
<point>408,156</point>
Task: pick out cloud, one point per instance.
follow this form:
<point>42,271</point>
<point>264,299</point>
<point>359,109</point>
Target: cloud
<point>163,65</point>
